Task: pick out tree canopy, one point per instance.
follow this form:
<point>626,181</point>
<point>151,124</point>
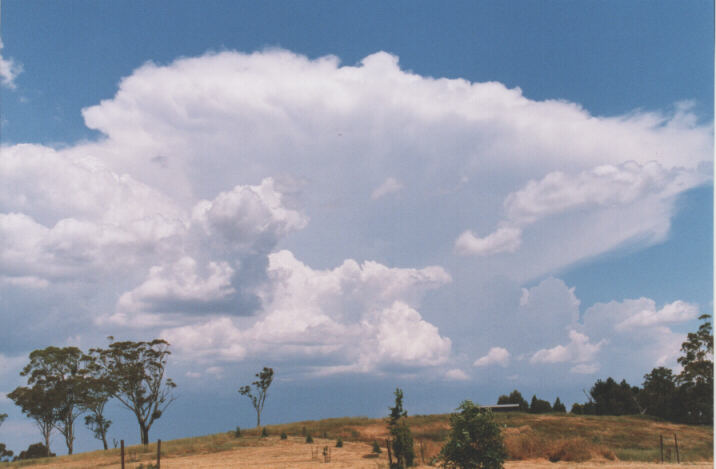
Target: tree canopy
<point>138,380</point>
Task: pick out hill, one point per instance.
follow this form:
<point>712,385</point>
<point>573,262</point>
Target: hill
<point>528,437</point>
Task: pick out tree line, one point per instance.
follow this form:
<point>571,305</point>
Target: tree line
<point>686,397</point>
<point>66,383</point>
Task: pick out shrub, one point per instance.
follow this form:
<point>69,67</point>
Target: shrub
<point>475,440</point>
<point>4,453</point>
<point>339,443</point>
<point>376,447</point>
<point>309,438</point>
<point>283,435</point>
<point>37,450</point>
<point>264,432</point>
<point>237,433</point>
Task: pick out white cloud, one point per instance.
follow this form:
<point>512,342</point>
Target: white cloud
<point>676,312</point>
<point>359,317</point>
<point>9,70</point>
<point>178,287</point>
<point>456,374</point>
<point>590,195</point>
<point>502,240</point>
<point>246,214</point>
<point>496,356</point>
<point>389,186</point>
<point>578,350</point>
<point>193,162</point>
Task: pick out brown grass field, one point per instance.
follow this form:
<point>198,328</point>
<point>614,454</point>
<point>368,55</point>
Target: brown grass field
<point>552,440</point>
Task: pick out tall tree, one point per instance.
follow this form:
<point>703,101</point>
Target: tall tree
<point>4,452</point>
<point>57,375</point>
<point>138,379</point>
<point>37,403</point>
<point>258,396</point>
<point>658,396</point>
<point>401,438</point>
<point>696,379</point>
<point>100,387</point>
<point>558,406</point>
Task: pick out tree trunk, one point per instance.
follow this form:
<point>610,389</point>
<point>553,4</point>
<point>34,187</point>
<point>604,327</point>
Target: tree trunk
<point>145,434</point>
<point>104,441</point>
<point>258,419</point>
<point>46,434</point>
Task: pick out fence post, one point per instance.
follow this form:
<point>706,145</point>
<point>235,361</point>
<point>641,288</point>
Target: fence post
<point>159,454</point>
<point>121,451</point>
<point>676,444</point>
<point>661,447</point>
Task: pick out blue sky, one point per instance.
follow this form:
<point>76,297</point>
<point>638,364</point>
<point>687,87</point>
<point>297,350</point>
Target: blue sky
<point>458,200</point>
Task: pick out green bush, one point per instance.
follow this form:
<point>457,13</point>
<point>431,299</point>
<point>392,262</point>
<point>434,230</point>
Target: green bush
<point>376,447</point>
<point>264,432</point>
<point>309,438</point>
<point>339,443</point>
<point>474,441</point>
<point>283,435</point>
<point>237,432</point>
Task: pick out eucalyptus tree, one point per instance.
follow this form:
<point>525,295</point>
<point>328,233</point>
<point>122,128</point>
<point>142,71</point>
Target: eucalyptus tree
<point>56,385</point>
<point>258,396</point>
<point>138,381</point>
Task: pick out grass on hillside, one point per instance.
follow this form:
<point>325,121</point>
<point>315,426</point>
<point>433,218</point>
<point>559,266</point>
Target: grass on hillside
<point>527,436</point>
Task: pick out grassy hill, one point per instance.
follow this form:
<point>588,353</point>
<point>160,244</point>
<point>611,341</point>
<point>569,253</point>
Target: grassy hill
<point>556,437</point>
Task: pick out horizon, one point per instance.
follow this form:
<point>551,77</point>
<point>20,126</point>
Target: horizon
<point>456,201</point>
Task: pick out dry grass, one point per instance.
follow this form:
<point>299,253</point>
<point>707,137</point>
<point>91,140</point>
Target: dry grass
<point>529,439</point>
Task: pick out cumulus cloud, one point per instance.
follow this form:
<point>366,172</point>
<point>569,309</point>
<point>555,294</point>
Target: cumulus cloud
<point>676,312</point>
<point>496,355</point>
<point>246,215</point>
<point>179,210</point>
<point>389,186</point>
<point>361,317</point>
<point>9,70</point>
<point>620,335</point>
<point>578,350</point>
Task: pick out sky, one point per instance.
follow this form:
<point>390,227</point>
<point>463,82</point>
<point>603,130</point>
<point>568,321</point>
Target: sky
<point>459,200</point>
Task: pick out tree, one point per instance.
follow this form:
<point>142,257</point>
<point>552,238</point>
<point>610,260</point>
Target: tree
<point>696,385</point>
<point>514,398</point>
<point>558,406</point>
<point>611,398</point>
<point>474,441</point>
<point>261,385</point>
<point>99,389</point>
<point>539,406</point>
<point>658,394</point>
<point>138,381</point>
<point>37,403</point>
<point>401,438</point>
<point>60,372</point>
<point>4,452</point>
